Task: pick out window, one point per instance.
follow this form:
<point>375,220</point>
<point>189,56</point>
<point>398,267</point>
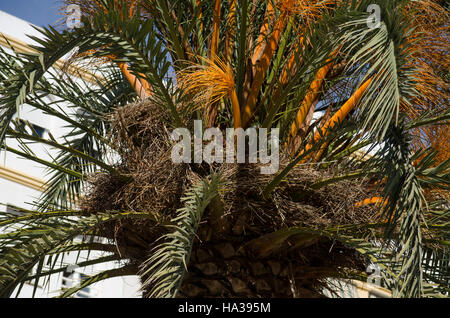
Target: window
<point>30,128</point>
<point>11,209</point>
<point>67,279</point>
<point>85,292</point>
<point>71,278</point>
<point>38,130</point>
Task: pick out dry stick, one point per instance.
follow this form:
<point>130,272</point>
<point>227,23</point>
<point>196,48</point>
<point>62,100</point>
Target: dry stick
<point>340,114</point>
<point>263,65</point>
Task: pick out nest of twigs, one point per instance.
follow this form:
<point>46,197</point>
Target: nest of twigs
<point>152,182</point>
<point>148,181</point>
<point>294,203</point>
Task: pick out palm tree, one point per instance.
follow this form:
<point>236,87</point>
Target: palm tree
<point>365,182</point>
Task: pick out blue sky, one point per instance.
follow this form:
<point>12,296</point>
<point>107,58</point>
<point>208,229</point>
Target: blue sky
<point>38,12</point>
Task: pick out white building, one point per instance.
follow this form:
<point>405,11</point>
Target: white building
<point>21,182</point>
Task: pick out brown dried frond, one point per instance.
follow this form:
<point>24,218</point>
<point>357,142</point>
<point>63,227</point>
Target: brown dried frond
<point>142,142</point>
<point>149,181</point>
<point>294,203</point>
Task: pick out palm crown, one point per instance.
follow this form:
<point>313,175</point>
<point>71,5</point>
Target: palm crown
<point>367,180</point>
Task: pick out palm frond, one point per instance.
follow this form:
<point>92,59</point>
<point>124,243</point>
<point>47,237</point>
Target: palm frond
<point>38,236</point>
<point>164,270</point>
